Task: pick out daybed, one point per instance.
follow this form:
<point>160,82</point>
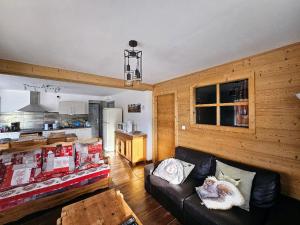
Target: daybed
<point>57,174</point>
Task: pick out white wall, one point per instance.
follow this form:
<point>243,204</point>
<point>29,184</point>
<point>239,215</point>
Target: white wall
<point>12,100</point>
<point>143,119</point>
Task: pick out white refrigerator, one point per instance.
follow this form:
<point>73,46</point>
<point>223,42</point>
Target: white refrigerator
<point>111,118</point>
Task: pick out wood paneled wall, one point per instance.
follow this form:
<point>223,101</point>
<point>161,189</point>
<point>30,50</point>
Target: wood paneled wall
<point>275,144</point>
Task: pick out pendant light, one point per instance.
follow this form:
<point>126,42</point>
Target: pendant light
<point>132,65</point>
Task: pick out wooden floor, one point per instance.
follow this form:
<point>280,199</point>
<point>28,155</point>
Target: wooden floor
<point>130,181</point>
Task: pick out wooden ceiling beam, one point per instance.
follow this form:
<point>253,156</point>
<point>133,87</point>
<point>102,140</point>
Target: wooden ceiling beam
<point>43,72</point>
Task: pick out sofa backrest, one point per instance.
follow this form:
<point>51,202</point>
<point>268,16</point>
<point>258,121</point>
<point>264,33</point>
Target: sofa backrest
<point>204,163</point>
<point>265,186</point>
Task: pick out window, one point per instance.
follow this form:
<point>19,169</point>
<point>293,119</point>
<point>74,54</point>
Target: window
<point>223,105</point>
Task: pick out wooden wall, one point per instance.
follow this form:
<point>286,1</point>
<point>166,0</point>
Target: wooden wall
<point>275,144</point>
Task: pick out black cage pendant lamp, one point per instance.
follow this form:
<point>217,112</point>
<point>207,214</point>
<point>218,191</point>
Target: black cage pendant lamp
<point>132,65</point>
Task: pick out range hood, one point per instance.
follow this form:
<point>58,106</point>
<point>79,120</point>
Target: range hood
<point>34,105</point>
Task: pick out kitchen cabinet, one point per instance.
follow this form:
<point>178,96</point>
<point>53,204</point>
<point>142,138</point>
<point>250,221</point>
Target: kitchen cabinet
<point>81,133</point>
<point>72,107</point>
<point>131,146</point>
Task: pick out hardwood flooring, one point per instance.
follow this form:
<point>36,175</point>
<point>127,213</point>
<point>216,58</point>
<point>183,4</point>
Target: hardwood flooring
<point>130,181</point>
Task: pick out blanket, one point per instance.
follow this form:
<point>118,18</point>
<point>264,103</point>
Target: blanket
<point>219,194</point>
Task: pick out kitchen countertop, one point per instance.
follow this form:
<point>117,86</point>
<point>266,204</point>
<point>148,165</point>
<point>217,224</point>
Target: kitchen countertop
<point>68,128</point>
<point>133,134</point>
<point>41,130</point>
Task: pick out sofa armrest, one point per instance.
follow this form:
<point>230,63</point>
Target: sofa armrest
<point>148,169</point>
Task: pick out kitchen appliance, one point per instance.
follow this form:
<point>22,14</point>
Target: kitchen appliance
<point>15,126</point>
<point>111,118</point>
<point>122,126</point>
<point>55,125</point>
<point>34,105</point>
<point>48,126</point>
<point>95,117</point>
<point>129,126</point>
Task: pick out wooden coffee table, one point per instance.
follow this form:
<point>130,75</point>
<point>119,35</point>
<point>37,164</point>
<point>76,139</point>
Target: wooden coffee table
<point>107,208</point>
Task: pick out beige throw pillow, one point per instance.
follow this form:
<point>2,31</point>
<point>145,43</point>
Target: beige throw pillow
<point>245,178</point>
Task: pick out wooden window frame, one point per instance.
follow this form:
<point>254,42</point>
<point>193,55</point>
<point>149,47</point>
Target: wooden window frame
<point>217,81</point>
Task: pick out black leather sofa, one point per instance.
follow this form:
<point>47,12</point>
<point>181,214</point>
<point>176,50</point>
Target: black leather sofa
<point>183,202</point>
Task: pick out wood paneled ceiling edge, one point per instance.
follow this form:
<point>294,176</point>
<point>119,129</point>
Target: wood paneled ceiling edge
<point>43,72</point>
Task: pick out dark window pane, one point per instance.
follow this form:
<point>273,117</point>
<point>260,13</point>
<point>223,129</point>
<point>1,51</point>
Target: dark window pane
<point>206,115</point>
<point>236,116</point>
<point>206,95</point>
<point>234,91</point>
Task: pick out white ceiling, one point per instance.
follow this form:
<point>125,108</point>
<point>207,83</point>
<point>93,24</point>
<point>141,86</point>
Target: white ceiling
<point>176,36</point>
<point>8,82</point>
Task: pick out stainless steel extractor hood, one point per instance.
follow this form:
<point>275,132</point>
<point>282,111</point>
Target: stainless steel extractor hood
<point>34,105</point>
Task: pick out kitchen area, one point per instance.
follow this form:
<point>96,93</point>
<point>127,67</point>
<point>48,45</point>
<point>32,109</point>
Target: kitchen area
<point>34,120</point>
<point>33,109</point>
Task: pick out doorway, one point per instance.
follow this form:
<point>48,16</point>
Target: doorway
<point>165,126</point>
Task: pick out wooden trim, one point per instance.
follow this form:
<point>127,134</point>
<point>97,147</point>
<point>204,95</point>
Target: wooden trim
<point>250,75</point>
<point>222,128</point>
<point>251,101</point>
<point>43,72</point>
<point>222,104</point>
<point>27,208</point>
<point>206,105</point>
<point>218,111</point>
<point>154,126</point>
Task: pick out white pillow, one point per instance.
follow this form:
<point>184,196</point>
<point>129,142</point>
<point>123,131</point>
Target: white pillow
<point>219,194</point>
<point>187,169</point>
<point>245,177</point>
<point>173,170</point>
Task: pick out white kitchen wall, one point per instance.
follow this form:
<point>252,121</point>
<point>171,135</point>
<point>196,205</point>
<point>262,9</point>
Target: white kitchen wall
<point>143,119</point>
<point>12,100</point>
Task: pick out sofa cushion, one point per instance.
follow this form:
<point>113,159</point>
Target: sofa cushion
<point>265,186</point>
<point>204,162</point>
<point>196,213</point>
<point>87,153</point>
<point>58,158</point>
<point>245,177</point>
<point>176,193</point>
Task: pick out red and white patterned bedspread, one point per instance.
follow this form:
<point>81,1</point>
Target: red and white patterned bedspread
<point>20,195</point>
